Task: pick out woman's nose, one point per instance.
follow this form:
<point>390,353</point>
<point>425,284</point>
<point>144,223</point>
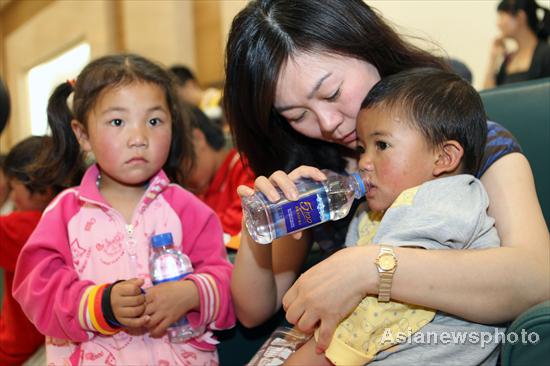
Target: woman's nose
<point>329,121</point>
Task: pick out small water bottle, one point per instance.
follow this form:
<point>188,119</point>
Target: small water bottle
<point>318,202</point>
<point>169,264</point>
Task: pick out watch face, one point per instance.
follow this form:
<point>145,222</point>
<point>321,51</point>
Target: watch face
<point>386,262</point>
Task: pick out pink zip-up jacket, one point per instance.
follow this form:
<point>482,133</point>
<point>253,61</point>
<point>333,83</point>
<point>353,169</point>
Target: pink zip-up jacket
<point>81,243</point>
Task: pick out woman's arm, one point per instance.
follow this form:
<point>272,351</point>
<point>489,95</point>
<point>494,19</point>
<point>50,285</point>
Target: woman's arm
<point>262,275</point>
<point>487,286</point>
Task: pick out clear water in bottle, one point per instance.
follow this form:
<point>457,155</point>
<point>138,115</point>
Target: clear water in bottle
<point>169,264</point>
<point>318,202</point>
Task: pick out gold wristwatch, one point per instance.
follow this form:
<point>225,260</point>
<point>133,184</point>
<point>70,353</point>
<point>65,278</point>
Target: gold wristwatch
<point>386,262</point>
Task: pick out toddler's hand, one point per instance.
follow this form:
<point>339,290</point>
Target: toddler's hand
<point>128,303</point>
<point>167,303</point>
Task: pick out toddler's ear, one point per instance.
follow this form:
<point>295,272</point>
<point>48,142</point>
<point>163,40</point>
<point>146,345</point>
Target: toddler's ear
<point>449,157</point>
<point>81,135</point>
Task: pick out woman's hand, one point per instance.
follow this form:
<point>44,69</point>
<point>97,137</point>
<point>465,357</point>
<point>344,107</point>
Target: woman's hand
<point>498,49</point>
<point>283,181</point>
<point>167,303</point>
<point>326,293</point>
<point>496,57</point>
<point>128,303</point>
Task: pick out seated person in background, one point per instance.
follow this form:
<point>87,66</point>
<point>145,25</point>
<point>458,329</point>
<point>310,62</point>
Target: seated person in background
<point>6,205</point>
<point>519,20</point>
<point>216,175</point>
<point>19,339</point>
<point>421,135</point>
<point>208,100</point>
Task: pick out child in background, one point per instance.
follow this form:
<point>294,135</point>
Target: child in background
<point>19,339</point>
<point>208,100</point>
<point>6,205</point>
<point>80,276</point>
<point>216,174</point>
<point>421,136</point>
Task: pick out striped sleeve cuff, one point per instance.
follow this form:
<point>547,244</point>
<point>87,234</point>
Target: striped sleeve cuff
<point>209,296</point>
<point>90,313</point>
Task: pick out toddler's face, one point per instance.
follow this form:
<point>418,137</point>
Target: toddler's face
<point>129,131</point>
<point>395,155</point>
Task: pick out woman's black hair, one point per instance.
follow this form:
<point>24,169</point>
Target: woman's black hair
<point>541,27</point>
<point>20,163</point>
<point>262,38</point>
<point>65,166</point>
<point>441,105</point>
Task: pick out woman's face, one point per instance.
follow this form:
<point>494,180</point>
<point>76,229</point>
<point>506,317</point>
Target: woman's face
<point>320,95</point>
<point>507,23</point>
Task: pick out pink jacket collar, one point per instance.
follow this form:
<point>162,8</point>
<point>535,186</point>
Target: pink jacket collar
<point>89,191</point>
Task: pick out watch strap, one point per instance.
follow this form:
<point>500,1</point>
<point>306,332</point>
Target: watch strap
<point>385,276</point>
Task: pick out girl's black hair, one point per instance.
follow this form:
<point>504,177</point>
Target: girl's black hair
<point>20,163</point>
<point>65,167</point>
<point>541,27</point>
<point>262,38</point>
<point>441,105</point>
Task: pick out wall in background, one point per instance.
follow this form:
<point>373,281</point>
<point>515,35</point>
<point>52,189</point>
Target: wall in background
<point>463,29</point>
<point>163,31</point>
<point>160,30</point>
<point>52,31</point>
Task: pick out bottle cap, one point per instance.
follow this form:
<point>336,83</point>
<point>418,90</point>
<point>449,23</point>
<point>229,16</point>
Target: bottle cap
<point>161,240</point>
<point>361,184</point>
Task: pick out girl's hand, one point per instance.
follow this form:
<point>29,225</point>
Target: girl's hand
<point>325,294</point>
<point>283,181</point>
<point>128,303</point>
<point>167,303</point>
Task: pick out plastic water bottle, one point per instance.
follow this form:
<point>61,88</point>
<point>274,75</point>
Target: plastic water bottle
<point>318,202</point>
<point>169,264</point>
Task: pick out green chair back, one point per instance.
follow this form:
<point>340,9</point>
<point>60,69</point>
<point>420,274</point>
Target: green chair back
<point>524,109</point>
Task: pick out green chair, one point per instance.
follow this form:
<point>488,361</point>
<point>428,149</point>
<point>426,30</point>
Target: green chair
<point>524,109</point>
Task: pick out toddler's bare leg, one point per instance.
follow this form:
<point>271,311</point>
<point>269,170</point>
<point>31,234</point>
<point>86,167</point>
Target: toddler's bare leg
<point>306,356</point>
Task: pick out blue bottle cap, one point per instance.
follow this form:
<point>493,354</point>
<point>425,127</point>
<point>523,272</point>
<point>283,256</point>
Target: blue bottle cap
<point>359,180</point>
<point>161,240</point>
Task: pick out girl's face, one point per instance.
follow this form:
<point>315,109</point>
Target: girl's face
<point>129,131</point>
<point>320,95</point>
<point>395,155</point>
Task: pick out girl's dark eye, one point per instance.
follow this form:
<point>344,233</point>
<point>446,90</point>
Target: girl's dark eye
<point>154,121</point>
<point>334,96</point>
<point>360,149</point>
<point>116,122</point>
<point>381,145</point>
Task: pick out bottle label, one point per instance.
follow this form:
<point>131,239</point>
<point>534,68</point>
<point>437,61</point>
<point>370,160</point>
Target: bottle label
<point>182,322</point>
<point>175,278</point>
<point>305,212</point>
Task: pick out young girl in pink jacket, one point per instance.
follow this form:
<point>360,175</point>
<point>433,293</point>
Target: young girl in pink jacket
<point>83,277</point>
